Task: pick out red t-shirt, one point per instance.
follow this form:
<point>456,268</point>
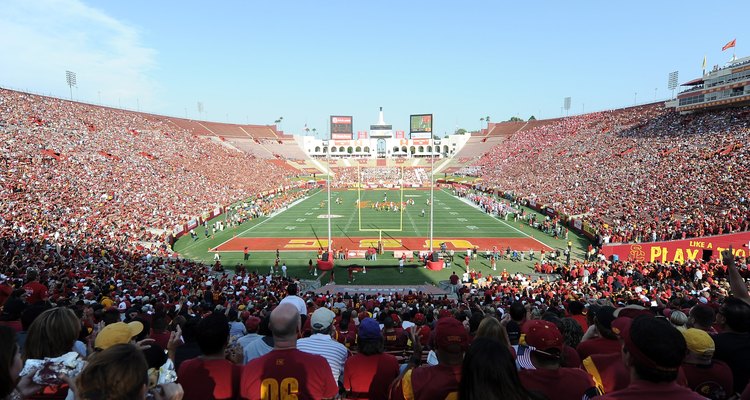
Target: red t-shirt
<point>570,358</point>
<point>283,373</point>
<point>581,319</point>
<point>561,383</point>
<point>209,379</point>
<point>713,380</point>
<point>161,338</point>
<point>598,346</point>
<point>435,382</point>
<point>36,292</point>
<point>369,377</point>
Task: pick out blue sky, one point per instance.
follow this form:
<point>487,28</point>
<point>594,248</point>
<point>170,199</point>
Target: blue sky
<point>257,61</point>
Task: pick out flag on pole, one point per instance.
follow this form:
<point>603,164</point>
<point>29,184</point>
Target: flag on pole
<point>704,65</point>
<point>729,45</point>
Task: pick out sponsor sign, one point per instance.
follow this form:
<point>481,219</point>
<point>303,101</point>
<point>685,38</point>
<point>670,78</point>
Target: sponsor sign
<point>680,250</point>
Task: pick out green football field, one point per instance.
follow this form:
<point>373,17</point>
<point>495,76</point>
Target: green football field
<point>356,224</point>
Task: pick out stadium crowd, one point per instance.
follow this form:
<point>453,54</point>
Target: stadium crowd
<point>350,176</point>
<point>638,174</point>
<point>90,176</point>
<point>367,341</point>
<point>85,190</point>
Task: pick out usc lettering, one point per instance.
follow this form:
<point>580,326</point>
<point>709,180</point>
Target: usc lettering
<point>270,389</point>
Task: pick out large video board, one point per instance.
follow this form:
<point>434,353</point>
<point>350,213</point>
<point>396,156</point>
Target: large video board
<point>420,126</point>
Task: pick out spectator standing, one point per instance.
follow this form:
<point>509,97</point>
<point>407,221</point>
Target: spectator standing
<point>707,377</point>
<point>435,381</point>
<point>599,338</point>
<point>541,363</point>
<point>369,373</point>
<point>262,345</point>
<point>35,291</point>
<point>652,350</point>
<point>211,375</point>
<point>251,327</point>
<point>321,342</point>
<point>291,297</point>
<point>287,371</point>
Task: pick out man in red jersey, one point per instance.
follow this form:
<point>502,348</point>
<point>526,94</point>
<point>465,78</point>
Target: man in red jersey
<point>653,350</point>
<point>436,382</point>
<point>35,291</point>
<point>600,339</point>
<point>707,377</point>
<point>286,372</point>
<point>368,374</point>
<point>541,363</point>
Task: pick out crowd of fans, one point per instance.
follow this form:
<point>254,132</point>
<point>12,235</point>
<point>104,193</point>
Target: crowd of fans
<point>551,338</point>
<point>637,174</point>
<point>351,176</point>
<point>85,189</point>
<point>75,174</point>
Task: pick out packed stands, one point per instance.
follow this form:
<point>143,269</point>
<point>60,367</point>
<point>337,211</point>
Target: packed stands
<point>638,174</point>
<point>74,172</point>
<point>380,176</point>
<point>82,187</point>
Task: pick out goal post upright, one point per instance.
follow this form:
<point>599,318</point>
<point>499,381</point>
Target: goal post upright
<point>432,188</point>
<point>359,197</point>
<point>401,184</point>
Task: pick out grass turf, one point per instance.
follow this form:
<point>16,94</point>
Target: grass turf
<point>306,219</point>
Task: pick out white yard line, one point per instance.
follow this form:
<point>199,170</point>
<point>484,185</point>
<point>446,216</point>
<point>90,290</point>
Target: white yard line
<point>351,218</point>
<point>413,225</point>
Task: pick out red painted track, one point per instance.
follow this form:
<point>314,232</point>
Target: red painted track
<point>409,243</point>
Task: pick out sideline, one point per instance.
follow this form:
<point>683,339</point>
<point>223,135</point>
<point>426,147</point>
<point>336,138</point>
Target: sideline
<point>466,201</point>
<point>268,218</point>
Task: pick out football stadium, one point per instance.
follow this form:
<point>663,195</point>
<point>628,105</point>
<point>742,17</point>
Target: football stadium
<point>165,234</point>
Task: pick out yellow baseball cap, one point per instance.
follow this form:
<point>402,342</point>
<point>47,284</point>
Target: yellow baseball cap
<point>699,342</point>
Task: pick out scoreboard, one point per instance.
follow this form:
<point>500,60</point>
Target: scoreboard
<point>341,127</point>
<point>420,126</point>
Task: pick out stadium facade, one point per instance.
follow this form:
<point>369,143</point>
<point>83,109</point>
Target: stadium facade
<point>721,87</point>
<point>381,141</point>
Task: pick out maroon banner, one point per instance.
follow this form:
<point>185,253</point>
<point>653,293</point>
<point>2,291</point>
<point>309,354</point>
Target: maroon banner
<point>681,250</point>
<point>399,135</point>
<point>361,134</point>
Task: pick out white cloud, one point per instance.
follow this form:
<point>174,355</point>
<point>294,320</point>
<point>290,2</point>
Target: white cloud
<point>41,39</point>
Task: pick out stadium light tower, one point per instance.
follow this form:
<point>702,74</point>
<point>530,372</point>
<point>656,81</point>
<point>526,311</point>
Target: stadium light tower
<point>566,105</point>
<point>70,78</point>
<point>672,82</point>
